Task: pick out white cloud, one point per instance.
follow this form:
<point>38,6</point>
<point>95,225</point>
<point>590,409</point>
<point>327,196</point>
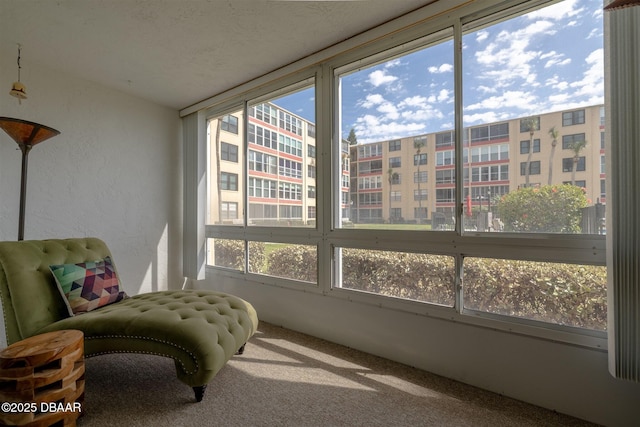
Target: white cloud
<point>369,129</point>
<point>486,89</point>
<point>558,11</point>
<point>372,99</point>
<point>443,95</point>
<point>488,117</point>
<point>521,100</point>
<point>444,68</point>
<point>482,36</point>
<point>593,79</point>
<point>555,59</point>
<point>392,63</point>
<point>416,100</point>
<point>389,110</point>
<point>558,98</point>
<point>380,77</point>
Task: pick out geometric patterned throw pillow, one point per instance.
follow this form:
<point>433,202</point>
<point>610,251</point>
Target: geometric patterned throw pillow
<point>88,285</point>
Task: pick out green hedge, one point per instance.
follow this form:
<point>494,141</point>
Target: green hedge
<point>564,294</point>
<point>412,276</point>
<point>299,262</point>
<point>230,254</point>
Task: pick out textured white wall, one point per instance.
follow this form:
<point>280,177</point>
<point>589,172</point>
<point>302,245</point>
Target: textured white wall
<point>114,172</point>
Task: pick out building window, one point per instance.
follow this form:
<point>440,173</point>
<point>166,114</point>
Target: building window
<point>262,162</point>
<point>489,132</point>
<point>603,168</point>
<point>568,141</point>
<point>395,162</point>
<point>369,150</point>
<point>265,113</point>
<point>420,141</point>
<point>420,159</point>
<point>420,194</point>
<point>445,195</point>
<point>396,196</point>
<point>262,136</point>
<point>311,151</point>
<point>229,181</point>
<point>568,162</point>
<point>311,192</point>
<point>529,122</point>
<point>394,145</point>
<point>289,191</point>
<point>395,178</point>
<point>524,146</point>
<point>571,118</point>
<point>534,168</point>
<point>229,123</point>
<point>445,158</point>
<point>290,123</point>
<point>229,210</point>
<point>420,176</point>
<point>290,168</point>
<point>447,176</point>
<point>311,171</point>
<point>229,152</point>
<point>578,183</point>
<point>311,212</point>
<point>445,139</point>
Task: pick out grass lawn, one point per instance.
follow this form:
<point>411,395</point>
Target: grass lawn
<point>392,226</point>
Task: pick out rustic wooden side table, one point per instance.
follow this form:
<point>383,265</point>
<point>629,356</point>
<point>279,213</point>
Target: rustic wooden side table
<point>42,380</point>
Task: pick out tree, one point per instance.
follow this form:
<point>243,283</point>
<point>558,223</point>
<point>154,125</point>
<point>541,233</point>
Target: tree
<point>548,209</point>
<point>554,133</point>
<point>353,140</point>
<point>418,144</point>
<point>531,124</point>
<point>391,177</point>
<point>576,147</point>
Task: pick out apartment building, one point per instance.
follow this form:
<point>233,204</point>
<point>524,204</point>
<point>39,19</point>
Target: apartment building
<point>409,179</point>
<point>412,179</point>
<point>281,163</point>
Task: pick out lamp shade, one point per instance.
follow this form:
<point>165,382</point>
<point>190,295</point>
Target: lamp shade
<point>26,133</point>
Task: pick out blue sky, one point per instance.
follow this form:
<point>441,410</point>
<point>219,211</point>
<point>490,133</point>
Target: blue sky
<point>547,60</point>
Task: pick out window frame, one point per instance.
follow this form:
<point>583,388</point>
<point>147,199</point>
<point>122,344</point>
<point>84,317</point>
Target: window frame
<point>588,249</point>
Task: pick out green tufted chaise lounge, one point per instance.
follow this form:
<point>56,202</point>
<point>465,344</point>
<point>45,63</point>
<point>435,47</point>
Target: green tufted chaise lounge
<point>199,330</point>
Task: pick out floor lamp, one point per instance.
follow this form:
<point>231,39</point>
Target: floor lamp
<point>26,135</point>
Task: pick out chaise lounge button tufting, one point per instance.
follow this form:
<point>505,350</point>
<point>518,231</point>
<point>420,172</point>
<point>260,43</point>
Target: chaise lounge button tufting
<point>199,330</point>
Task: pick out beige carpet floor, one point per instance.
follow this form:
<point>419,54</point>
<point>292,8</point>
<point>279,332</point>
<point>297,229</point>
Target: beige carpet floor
<point>286,378</point>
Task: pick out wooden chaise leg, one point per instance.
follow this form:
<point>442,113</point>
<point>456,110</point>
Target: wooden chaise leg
<point>241,349</point>
<point>199,391</point>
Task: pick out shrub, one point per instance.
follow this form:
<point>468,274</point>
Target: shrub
<point>418,277</point>
<point>550,209</point>
<point>564,294</point>
<point>299,262</point>
<point>230,254</point>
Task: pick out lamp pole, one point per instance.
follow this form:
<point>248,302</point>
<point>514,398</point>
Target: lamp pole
<point>26,134</point>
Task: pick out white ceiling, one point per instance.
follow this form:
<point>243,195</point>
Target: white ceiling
<point>179,52</point>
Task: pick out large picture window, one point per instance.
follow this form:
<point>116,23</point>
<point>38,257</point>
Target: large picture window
<point>437,173</point>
